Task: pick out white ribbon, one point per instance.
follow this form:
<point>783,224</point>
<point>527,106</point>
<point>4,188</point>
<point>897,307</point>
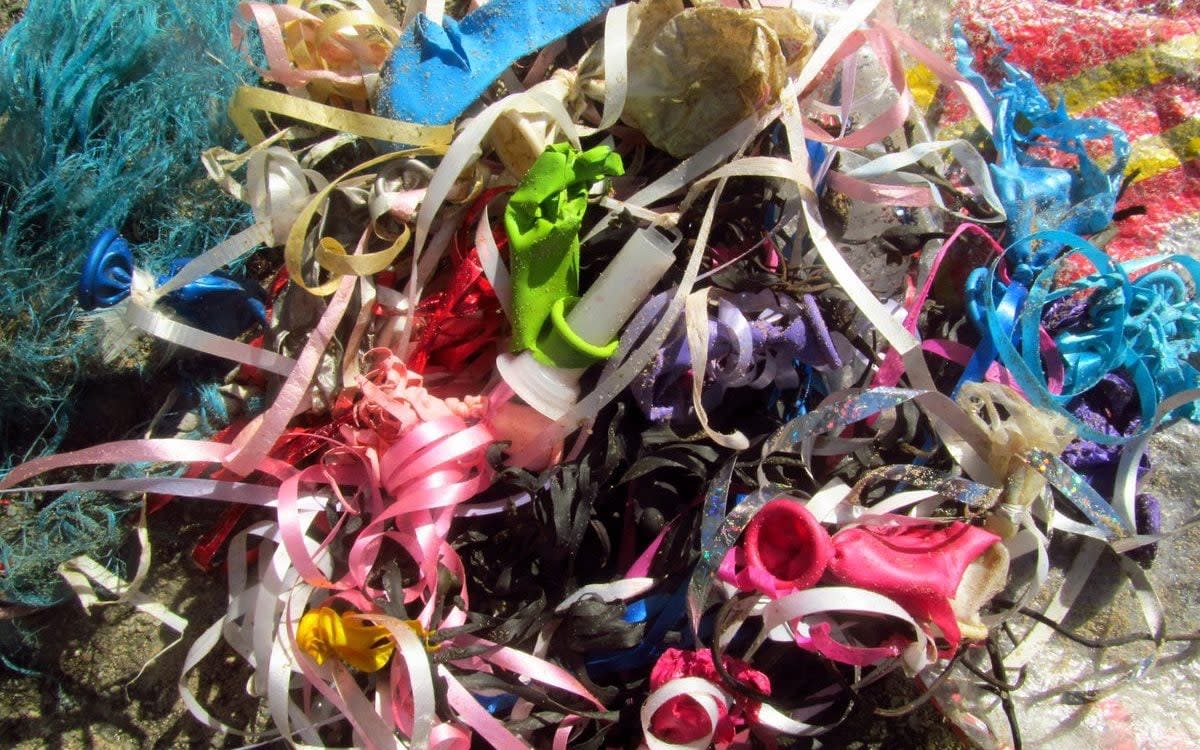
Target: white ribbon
<point>779,615</point>
<point>710,698</point>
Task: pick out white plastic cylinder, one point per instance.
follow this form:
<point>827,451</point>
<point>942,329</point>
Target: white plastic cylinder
<point>616,295</point>
<point>547,389</point>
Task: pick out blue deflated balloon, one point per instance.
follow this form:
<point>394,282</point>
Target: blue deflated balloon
<point>437,71</point>
<point>217,302</point>
<point>107,272</point>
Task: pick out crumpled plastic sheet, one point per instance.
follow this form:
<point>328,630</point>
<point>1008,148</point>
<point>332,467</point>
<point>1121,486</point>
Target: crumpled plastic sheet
<point>1156,711</point>
<point>681,60</point>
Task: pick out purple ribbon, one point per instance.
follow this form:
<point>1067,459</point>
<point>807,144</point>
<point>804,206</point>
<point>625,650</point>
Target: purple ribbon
<point>757,340</point>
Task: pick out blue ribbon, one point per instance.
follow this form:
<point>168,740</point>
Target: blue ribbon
<point>218,302</point>
<point>1148,328</point>
<point>1035,194</point>
<point>1157,326</point>
<point>986,352</point>
<point>436,72</point>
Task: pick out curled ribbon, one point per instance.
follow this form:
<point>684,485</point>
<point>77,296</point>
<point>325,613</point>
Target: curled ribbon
<point>330,254</point>
<point>327,46</point>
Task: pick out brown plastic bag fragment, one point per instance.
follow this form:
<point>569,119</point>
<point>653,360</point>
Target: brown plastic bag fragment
<point>695,73</point>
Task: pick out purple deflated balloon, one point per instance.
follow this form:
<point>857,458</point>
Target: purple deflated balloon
<point>757,340</point>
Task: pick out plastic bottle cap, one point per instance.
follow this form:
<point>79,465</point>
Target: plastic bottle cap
<point>548,389</point>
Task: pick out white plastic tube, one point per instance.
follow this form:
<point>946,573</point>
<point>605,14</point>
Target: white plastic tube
<point>621,289</point>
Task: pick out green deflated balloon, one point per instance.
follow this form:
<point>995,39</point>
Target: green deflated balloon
<point>542,220</point>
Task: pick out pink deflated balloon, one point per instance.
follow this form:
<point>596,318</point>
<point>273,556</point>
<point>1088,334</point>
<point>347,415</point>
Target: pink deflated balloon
<point>919,566</point>
<point>783,549</point>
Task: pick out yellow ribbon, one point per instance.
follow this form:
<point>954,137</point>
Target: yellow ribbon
<point>311,49</point>
<point>247,100</point>
<point>330,254</point>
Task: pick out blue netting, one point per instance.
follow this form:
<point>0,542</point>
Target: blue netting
<point>105,109</point>
<point>73,524</point>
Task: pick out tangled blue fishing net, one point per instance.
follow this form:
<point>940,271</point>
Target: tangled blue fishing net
<point>105,109</point>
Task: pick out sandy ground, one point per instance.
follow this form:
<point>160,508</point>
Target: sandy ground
<point>93,691</point>
<point>10,11</point>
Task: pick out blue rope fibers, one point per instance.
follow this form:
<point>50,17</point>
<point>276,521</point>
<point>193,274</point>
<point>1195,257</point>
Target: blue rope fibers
<point>74,524</point>
<point>211,410</point>
<point>104,110</point>
<point>12,665</point>
<point>206,402</point>
<point>90,523</point>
